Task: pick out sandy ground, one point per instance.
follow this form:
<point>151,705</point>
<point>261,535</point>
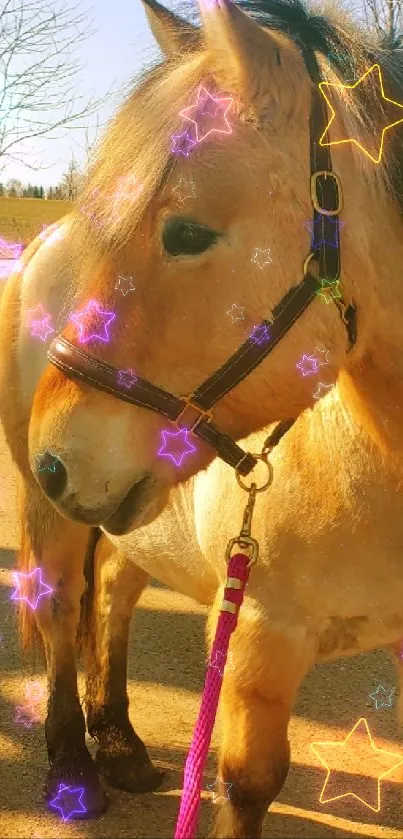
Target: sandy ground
<point>166,671</point>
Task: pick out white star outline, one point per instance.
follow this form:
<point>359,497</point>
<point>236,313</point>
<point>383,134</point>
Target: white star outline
<point>267,261</point>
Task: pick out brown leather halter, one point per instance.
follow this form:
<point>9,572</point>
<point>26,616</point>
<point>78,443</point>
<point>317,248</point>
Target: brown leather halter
<point>326,197</point>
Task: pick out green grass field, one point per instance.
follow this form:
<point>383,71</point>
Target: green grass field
<point>21,219</point>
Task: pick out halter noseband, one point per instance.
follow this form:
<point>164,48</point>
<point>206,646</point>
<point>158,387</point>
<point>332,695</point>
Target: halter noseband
<point>326,198</point>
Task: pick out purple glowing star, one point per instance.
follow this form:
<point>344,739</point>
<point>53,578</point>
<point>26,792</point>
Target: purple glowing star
<point>27,715</point>
<point>317,234</point>
<point>308,365</point>
<point>181,452</point>
<point>127,378</point>
<point>42,588</point>
<point>87,323</point>
<point>260,334</point>
<point>182,144</point>
<point>68,800</point>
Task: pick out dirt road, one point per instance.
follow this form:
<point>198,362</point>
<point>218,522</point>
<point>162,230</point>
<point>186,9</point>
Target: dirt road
<point>166,666</point>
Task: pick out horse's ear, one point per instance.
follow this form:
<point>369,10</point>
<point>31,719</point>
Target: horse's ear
<point>172,34</point>
<point>248,56</point>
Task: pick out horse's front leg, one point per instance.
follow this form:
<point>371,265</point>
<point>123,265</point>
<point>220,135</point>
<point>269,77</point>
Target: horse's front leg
<point>121,756</point>
<point>256,702</point>
<point>58,547</point>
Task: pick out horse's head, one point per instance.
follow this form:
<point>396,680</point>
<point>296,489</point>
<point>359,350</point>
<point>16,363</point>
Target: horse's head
<point>188,250</point>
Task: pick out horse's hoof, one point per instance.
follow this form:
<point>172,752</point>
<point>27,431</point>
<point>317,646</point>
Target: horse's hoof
<point>71,805</point>
<point>127,773</point>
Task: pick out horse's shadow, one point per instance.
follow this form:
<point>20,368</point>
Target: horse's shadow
<point>176,658</point>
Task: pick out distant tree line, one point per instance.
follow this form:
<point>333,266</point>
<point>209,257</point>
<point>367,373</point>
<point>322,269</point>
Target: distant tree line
<point>65,191</point>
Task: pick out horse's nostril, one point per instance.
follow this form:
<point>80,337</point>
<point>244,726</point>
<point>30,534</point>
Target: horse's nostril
<point>51,474</point>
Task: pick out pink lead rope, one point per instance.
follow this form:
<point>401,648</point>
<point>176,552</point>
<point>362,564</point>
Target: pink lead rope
<point>237,578</point>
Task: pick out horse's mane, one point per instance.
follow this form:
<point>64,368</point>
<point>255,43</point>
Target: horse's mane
<point>137,141</point>
<point>351,51</point>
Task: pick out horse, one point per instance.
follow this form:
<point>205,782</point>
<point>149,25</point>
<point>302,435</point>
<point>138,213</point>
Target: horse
<point>166,241</point>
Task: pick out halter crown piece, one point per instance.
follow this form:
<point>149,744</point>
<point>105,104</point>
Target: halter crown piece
<point>193,412</point>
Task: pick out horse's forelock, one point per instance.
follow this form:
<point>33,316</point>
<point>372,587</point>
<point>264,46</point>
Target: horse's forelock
<point>137,143</point>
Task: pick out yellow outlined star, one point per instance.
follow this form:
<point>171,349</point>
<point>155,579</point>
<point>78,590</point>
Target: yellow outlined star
<point>352,87</point>
<point>338,745</point>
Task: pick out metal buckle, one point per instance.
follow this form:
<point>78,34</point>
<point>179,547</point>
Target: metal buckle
<point>314,192</point>
<point>207,415</point>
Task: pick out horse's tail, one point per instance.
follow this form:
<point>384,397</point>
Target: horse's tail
<point>87,597</point>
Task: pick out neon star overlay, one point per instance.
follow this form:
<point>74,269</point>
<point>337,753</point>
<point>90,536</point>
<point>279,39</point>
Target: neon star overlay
<point>321,390</point>
<point>316,230</point>
<point>127,378</point>
<point>260,334</point>
<point>308,365</point>
<point>179,443</point>
<point>34,691</point>
<point>86,320</point>
<point>210,106</point>
<point>26,715</point>
<point>61,801</point>
<point>379,697</point>
<point>182,144</point>
<point>372,70</point>
<point>335,749</point>
<point>262,257</point>
<point>39,322</point>
<point>236,312</point>
<point>124,285</point>
<point>127,192</point>
<point>42,589</point>
<point>184,189</point>
<point>44,464</point>
<point>10,250</point>
<point>218,791</point>
<point>219,661</point>
<point>330,290</point>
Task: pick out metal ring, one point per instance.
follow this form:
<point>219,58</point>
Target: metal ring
<point>269,479</point>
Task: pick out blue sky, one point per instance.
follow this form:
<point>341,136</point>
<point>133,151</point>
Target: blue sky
<point>121,44</point>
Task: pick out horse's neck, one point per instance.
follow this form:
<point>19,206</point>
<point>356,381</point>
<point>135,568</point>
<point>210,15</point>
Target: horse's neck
<point>372,395</point>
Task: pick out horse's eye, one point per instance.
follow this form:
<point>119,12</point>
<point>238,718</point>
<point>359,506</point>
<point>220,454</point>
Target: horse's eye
<point>182,236</point>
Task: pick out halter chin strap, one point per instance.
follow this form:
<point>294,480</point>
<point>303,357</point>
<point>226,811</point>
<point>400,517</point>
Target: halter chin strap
<point>326,197</point>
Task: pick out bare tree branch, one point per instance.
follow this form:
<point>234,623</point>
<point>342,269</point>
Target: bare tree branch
<point>39,73</point>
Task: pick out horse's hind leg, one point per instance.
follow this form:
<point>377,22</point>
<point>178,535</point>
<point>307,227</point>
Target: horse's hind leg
<point>58,547</point>
<point>256,703</point>
<point>121,756</point>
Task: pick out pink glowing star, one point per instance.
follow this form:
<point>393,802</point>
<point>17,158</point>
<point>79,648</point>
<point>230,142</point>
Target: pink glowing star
<point>27,715</point>
<point>68,800</point>
<point>41,587</point>
<point>39,322</point>
<point>34,691</point>
<point>180,437</point>
<point>93,323</point>
<point>41,328</point>
<point>127,378</point>
<point>182,144</point>
<point>207,106</point>
<point>128,190</point>
<point>10,250</point>
<point>308,365</point>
